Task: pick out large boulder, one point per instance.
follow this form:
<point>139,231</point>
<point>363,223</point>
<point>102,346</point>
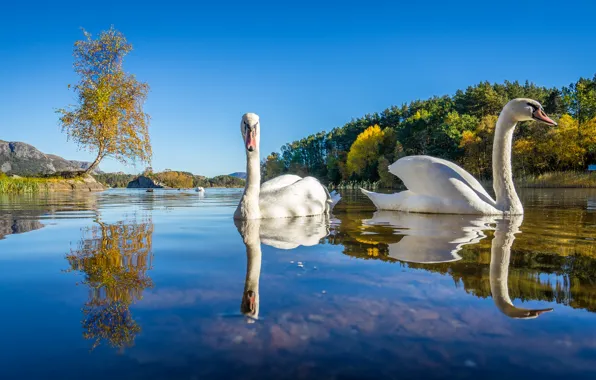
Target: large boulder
<point>142,182</point>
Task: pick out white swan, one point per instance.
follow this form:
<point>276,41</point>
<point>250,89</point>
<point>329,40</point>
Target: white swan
<point>288,233</point>
<point>281,197</point>
<point>441,187</point>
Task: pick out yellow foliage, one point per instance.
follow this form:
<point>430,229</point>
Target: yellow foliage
<point>468,138</point>
<point>420,114</point>
<point>523,146</point>
<point>365,150</point>
<point>477,145</point>
<point>109,117</point>
<point>569,143</point>
<point>175,179</point>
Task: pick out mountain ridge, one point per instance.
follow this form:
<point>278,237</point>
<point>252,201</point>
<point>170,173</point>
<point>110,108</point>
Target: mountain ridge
<point>24,159</point>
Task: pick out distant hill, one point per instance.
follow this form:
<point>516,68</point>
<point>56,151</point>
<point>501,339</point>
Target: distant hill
<point>26,160</point>
<point>238,175</point>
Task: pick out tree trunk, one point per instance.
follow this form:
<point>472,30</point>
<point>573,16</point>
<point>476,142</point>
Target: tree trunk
<point>94,164</point>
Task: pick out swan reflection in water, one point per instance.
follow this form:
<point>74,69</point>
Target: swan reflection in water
<point>281,233</point>
<point>430,239</point>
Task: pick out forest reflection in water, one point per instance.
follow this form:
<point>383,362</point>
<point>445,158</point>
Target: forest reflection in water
<point>553,258</point>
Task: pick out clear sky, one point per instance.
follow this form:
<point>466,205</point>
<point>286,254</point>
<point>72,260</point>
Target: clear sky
<point>303,66</point>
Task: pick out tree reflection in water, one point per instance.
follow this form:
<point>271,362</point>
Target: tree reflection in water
<point>114,259</point>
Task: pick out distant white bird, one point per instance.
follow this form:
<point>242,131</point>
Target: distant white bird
<point>438,186</point>
<point>281,197</point>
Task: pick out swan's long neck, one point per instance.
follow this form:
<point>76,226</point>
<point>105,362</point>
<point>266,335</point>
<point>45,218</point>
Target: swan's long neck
<point>507,199</point>
<point>250,231</point>
<point>248,208</point>
<point>499,270</point>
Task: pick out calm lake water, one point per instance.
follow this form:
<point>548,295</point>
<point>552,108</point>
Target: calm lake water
<point>128,284</point>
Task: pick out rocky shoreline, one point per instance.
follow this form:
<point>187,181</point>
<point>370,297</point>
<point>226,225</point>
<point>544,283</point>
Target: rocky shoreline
<point>87,183</point>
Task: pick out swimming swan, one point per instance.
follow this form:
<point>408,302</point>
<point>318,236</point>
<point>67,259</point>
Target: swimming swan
<point>438,186</point>
<point>284,196</point>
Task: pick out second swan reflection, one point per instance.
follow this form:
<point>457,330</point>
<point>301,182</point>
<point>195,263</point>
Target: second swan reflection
<point>431,239</point>
<point>283,233</point>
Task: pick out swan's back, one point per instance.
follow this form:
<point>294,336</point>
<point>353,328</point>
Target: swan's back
<point>279,182</point>
<point>286,198</point>
<point>435,177</point>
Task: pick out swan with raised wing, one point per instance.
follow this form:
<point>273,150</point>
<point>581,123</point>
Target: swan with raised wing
<point>438,186</point>
<point>284,196</point>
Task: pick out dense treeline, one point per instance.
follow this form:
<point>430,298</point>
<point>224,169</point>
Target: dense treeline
<point>459,128</point>
<point>219,181</point>
<point>181,180</point>
<point>174,179</point>
<point>114,179</point>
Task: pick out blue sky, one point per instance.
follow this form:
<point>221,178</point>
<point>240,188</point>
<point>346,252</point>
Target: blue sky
<point>302,66</point>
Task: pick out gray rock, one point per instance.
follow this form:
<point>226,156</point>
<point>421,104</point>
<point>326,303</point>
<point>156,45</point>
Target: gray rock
<point>142,182</point>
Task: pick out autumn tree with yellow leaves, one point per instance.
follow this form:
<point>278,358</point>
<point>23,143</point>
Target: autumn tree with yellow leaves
<point>371,154</point>
<point>109,117</point>
<point>114,259</point>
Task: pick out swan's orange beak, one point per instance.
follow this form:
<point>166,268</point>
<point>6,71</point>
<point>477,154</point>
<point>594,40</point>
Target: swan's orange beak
<point>538,312</point>
<point>251,141</point>
<point>541,116</point>
<point>249,303</point>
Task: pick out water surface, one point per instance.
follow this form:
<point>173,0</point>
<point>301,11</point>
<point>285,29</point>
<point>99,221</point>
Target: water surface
<point>128,284</point>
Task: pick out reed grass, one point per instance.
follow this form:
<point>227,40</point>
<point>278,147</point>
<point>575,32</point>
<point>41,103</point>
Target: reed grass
<point>355,185</point>
<point>559,179</point>
<point>11,185</point>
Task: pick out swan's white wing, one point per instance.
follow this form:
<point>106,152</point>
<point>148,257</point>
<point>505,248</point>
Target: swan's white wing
<point>289,233</point>
<point>302,198</point>
<point>435,177</point>
<point>279,182</point>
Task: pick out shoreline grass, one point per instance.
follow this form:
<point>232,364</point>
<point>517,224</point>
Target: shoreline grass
<point>29,185</point>
<point>351,185</point>
<point>554,180</point>
<point>569,179</point>
<point>23,185</point>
